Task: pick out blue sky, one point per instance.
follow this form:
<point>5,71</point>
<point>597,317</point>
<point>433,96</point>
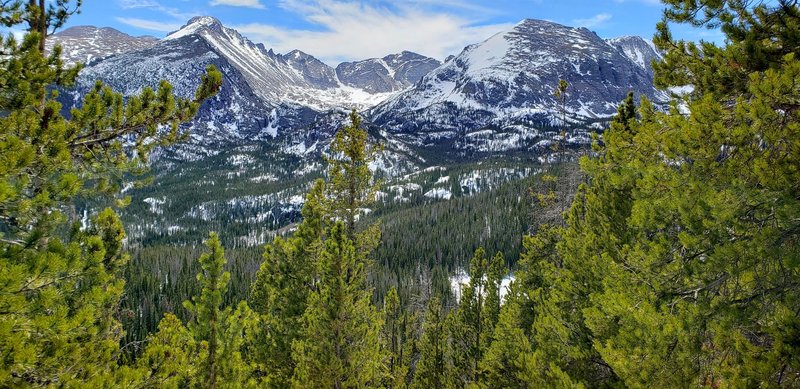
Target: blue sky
<point>338,30</point>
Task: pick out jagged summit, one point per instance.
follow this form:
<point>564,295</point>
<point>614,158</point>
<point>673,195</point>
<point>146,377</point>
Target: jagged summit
<point>196,25</point>
<point>390,73</point>
<point>505,82</point>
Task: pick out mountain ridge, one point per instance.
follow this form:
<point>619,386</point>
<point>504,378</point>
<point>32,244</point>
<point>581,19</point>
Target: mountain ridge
<point>495,95</point>
<point>89,43</point>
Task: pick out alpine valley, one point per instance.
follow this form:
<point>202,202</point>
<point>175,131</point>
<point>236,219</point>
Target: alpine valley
<point>256,147</point>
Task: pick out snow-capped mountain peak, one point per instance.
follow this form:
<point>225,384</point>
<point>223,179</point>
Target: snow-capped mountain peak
<point>196,25</point>
<point>508,80</point>
<point>88,43</point>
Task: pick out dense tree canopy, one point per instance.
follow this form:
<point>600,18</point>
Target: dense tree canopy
<point>59,284</point>
<point>679,261</point>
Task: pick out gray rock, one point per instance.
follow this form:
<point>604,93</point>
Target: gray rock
<point>388,74</point>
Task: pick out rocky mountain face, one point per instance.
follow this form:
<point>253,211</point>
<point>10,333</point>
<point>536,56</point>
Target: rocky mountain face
<point>498,95</point>
<point>85,44</point>
<point>236,113</point>
<point>388,74</point>
<point>314,71</point>
<point>642,52</point>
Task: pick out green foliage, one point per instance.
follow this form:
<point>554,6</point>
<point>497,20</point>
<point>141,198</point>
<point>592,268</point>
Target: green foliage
<point>340,344</point>
<point>168,361</point>
<point>350,182</point>
<point>504,363</point>
<point>59,284</point>
<point>159,278</point>
<point>758,36</point>
<point>283,283</point>
<point>679,260</point>
<point>432,366</point>
<point>397,340</point>
<point>472,324</point>
<point>317,324</point>
<point>211,350</point>
<point>495,272</point>
<point>205,308</point>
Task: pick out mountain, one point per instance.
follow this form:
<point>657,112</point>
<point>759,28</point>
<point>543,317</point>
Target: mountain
<point>498,94</point>
<point>256,147</point>
<point>388,74</point>
<point>270,76</point>
<point>263,93</point>
<point>237,112</point>
<point>314,71</point>
<point>88,43</point>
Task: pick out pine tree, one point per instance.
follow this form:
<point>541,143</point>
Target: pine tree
<point>431,368</point>
<point>169,359</point>
<point>351,185</point>
<point>209,352</point>
<point>495,272</point>
<point>293,270</point>
<point>473,322</point>
<point>396,341</point>
<point>560,94</point>
<point>504,364</point>
<point>280,292</point>
<point>206,309</point>
<point>59,284</point>
<point>340,344</point>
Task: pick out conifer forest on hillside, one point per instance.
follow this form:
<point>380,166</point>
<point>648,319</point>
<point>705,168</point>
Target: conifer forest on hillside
<point>662,252</point>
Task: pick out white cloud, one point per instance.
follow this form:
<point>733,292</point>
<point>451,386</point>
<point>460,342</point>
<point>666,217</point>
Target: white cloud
<point>351,30</point>
<point>239,3</point>
<point>132,4</point>
<point>156,6</point>
<point>594,21</point>
<point>150,24</point>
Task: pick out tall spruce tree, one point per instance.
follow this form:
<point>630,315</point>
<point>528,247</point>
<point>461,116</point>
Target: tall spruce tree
<point>60,285</point>
<point>495,272</point>
<point>298,275</point>
<point>209,352</point>
<point>397,340</point>
<point>472,324</point>
<point>351,185</point>
<point>206,309</point>
<point>504,363</point>
<point>280,292</point>
<point>431,370</point>
<point>340,344</point>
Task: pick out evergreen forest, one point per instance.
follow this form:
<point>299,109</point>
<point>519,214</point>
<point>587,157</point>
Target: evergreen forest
<point>668,255</point>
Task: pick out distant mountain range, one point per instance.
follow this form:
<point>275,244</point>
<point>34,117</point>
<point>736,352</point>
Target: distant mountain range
<point>495,95</point>
<point>256,146</point>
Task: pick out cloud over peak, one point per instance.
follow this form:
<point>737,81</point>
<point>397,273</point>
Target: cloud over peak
<point>239,3</point>
<point>349,30</point>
